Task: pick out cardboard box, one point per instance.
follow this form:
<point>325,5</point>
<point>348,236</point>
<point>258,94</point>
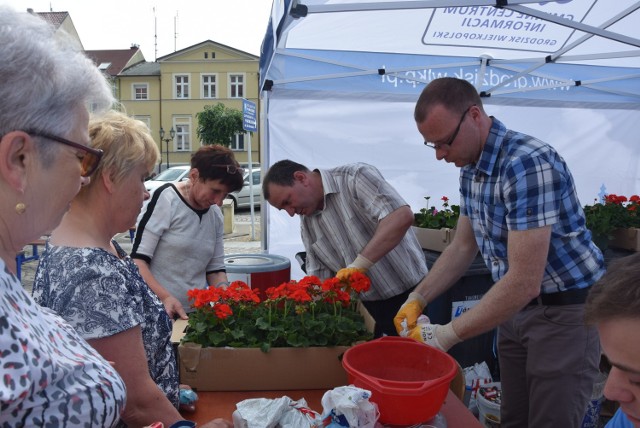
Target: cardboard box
<point>434,239</point>
<point>369,322</point>
<point>250,369</point>
<point>626,239</point>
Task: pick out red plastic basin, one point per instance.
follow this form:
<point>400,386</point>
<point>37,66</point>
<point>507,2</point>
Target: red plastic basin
<point>408,380</point>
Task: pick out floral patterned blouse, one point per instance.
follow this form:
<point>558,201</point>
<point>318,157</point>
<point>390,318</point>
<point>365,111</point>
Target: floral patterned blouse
<point>50,376</point>
<point>100,295</point>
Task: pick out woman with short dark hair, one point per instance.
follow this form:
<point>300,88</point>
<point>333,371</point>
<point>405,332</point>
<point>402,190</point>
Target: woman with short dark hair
<point>179,237</point>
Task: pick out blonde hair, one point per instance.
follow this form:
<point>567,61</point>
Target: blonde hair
<point>126,142</point>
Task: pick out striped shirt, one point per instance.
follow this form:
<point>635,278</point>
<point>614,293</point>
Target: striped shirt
<point>521,183</point>
<point>356,199</point>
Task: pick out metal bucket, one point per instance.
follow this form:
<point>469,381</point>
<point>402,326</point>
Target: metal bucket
<point>259,271</point>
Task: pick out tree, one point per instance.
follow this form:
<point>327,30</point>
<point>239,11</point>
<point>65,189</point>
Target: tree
<point>218,124</point>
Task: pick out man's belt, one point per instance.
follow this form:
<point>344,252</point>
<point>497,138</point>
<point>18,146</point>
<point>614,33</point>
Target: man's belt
<point>569,297</point>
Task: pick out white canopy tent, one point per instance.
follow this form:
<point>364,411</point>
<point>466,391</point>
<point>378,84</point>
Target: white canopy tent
<point>340,79</point>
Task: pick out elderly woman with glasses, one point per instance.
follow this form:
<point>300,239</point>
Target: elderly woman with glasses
<point>178,244</point>
<point>50,375</point>
<point>88,279</point>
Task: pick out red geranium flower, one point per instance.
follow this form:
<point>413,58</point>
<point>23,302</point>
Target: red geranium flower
<point>309,312</point>
<point>613,212</point>
<point>222,310</point>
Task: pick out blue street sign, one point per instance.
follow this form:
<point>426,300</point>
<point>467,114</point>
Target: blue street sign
<point>249,122</point>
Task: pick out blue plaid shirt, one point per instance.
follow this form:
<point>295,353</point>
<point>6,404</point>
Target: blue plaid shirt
<point>520,183</point>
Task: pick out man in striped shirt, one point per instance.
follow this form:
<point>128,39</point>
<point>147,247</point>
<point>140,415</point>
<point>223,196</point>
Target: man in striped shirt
<point>519,207</point>
<point>351,218</point>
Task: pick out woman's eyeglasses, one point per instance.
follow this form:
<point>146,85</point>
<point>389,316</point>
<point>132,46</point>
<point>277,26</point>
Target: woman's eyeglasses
<point>89,161</point>
<point>231,169</point>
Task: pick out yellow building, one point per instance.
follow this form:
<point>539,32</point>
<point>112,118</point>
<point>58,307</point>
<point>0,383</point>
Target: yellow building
<point>112,62</point>
<point>167,94</point>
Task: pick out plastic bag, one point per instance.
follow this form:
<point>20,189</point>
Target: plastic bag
<point>188,396</point>
<point>420,321</point>
<point>275,413</point>
<point>476,376</point>
<point>349,406</point>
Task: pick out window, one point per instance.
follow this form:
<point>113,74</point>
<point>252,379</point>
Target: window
<point>206,55</point>
<point>209,85</point>
<point>182,141</point>
<point>238,142</point>
<point>140,91</point>
<point>236,85</point>
<point>145,119</point>
<point>181,85</point>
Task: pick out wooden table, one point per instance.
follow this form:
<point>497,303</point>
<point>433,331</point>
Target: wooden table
<point>212,405</point>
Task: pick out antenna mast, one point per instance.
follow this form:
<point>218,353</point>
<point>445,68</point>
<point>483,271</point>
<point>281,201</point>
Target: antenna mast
<point>155,34</point>
<point>175,32</point>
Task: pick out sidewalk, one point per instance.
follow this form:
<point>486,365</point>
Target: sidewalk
<point>238,242</point>
<point>244,239</point>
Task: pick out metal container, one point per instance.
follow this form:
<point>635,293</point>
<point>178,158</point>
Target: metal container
<point>259,271</point>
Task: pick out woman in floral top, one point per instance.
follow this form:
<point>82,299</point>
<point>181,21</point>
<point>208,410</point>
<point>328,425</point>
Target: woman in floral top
<point>49,375</point>
<point>89,280</point>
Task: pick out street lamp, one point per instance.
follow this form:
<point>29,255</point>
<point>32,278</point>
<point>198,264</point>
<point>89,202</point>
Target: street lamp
<point>172,134</point>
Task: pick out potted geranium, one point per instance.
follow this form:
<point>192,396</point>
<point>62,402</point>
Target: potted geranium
<point>614,221</point>
<point>304,313</point>
<point>434,227</point>
<point>300,326</point>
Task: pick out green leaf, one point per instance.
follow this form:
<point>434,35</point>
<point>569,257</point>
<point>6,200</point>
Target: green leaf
<point>219,124</point>
<point>432,218</point>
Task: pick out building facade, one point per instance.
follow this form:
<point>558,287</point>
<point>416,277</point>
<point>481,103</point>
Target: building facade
<point>168,93</point>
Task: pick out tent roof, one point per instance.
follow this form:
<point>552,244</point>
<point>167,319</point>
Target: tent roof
<point>570,52</point>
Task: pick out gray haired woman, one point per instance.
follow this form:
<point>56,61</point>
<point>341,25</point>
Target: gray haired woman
<point>50,375</point>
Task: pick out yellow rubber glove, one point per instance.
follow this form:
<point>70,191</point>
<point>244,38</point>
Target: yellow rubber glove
<point>360,264</point>
<point>409,312</point>
<point>344,273</point>
<point>442,337</point>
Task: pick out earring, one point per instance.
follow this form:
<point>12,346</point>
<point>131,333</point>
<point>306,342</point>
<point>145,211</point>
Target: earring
<point>21,208</point>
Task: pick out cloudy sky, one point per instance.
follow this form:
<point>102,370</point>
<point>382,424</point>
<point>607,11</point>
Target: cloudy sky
<point>117,24</point>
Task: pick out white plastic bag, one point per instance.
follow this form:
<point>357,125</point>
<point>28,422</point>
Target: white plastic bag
<point>349,406</point>
<point>476,376</point>
<point>280,412</point>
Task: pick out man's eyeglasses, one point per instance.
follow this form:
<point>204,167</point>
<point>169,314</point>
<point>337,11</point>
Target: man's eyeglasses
<point>91,158</point>
<point>231,169</point>
<point>455,133</point>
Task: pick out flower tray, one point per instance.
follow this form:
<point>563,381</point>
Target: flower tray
<point>250,369</point>
<point>434,239</point>
<point>221,345</point>
<point>626,239</point>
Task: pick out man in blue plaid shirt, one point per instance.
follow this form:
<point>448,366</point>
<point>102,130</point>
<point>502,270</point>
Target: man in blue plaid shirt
<point>519,207</point>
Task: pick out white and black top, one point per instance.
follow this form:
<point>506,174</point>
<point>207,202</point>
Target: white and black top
<point>181,244</point>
